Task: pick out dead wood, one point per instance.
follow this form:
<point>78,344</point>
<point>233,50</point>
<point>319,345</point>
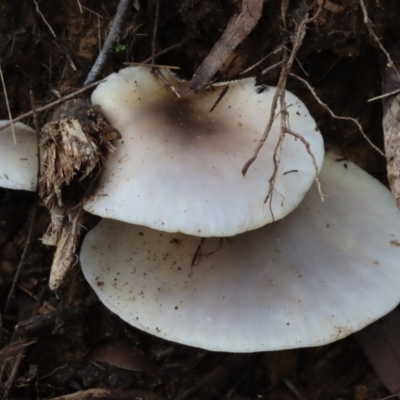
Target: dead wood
<point>391,120</point>
<point>239,26</point>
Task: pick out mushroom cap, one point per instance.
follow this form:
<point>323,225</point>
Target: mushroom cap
<point>178,165</point>
<point>18,163</point>
<point>323,272</point>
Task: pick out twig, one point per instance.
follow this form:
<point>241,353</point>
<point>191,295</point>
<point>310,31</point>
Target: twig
<point>7,105</point>
<point>43,18</point>
<point>37,130</point>
<point>34,213</point>
<point>107,394</point>
<point>271,67</point>
<point>166,83</point>
<point>153,41</point>
<point>293,388</point>
<point>13,374</point>
<point>13,349</point>
<point>166,50</point>
<point>173,67</point>
<point>92,12</point>
<point>367,22</point>
<point>53,371</point>
<point>112,37</point>
<point>51,105</point>
<point>383,96</point>
<point>284,9</point>
<point>80,6</point>
<point>333,115</point>
<point>279,48</point>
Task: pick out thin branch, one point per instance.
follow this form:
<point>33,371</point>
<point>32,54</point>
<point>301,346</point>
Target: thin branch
<point>279,48</point>
<point>271,67</point>
<point>51,105</point>
<point>3,84</point>
<point>367,22</point>
<point>80,6</point>
<point>293,388</point>
<point>166,50</point>
<point>383,96</point>
<point>166,83</point>
<point>43,18</point>
<point>120,16</point>
<point>13,375</point>
<point>93,12</point>
<point>153,41</point>
<point>172,67</point>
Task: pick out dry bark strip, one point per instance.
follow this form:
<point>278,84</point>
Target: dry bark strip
<point>391,120</point>
<point>239,26</point>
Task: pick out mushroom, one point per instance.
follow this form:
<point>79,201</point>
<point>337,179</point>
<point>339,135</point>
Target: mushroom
<point>18,162</point>
<point>323,272</point>
<point>181,155</point>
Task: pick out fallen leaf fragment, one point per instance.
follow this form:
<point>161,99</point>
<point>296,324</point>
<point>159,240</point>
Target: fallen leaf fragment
<point>380,343</point>
<point>123,355</point>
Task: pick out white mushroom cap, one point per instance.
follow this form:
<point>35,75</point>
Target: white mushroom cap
<point>178,165</point>
<point>323,272</point>
<point>18,162</point>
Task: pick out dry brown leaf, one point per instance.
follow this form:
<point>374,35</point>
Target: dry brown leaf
<point>380,343</point>
<point>121,354</point>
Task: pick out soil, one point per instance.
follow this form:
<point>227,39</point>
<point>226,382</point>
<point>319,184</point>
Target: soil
<point>65,342</point>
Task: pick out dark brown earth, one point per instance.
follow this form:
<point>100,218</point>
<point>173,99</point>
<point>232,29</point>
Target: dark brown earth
<point>65,342</point>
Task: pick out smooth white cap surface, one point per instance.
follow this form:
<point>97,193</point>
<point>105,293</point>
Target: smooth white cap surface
<point>316,276</point>
<point>178,165</point>
<point>18,163</point>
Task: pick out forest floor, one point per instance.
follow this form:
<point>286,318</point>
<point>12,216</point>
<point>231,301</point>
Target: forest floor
<point>66,344</point>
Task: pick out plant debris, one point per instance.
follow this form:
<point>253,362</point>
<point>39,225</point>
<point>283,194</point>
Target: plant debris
<point>47,338</point>
<point>75,146</point>
<point>239,26</point>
